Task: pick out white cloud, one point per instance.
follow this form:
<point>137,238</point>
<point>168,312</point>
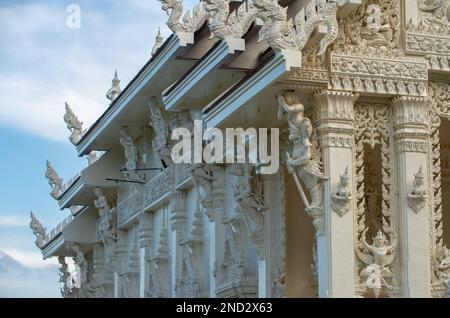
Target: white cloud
<point>44,63</point>
<point>13,220</point>
<point>29,259</point>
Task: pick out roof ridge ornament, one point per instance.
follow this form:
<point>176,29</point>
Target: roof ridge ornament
<point>38,230</point>
<point>293,34</point>
<point>224,25</point>
<point>188,22</point>
<point>115,89</point>
<point>73,124</point>
<point>158,42</point>
<point>54,181</point>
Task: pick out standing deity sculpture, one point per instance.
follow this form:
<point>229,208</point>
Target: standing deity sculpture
<point>106,227</point>
<point>38,230</point>
<point>300,163</point>
<point>202,177</point>
<point>64,277</point>
<point>342,197</point>
<point>130,152</point>
<point>81,265</point>
<point>74,125</point>
<point>417,198</point>
<point>248,193</point>
<point>54,181</point>
<point>161,130</point>
<point>380,256</point>
<point>115,89</point>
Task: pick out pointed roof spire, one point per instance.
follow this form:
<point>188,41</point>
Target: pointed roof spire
<point>115,89</point>
<point>158,42</point>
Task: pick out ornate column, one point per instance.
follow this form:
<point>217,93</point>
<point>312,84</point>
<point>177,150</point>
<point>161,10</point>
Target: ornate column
<point>335,247</point>
<point>411,136</point>
<point>177,225</point>
<point>145,252</point>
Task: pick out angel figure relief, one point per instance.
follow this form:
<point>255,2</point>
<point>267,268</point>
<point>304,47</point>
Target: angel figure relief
<point>378,258</point>
<point>300,162</point>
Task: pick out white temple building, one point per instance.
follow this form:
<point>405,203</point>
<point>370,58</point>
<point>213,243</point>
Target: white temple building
<point>360,206</point>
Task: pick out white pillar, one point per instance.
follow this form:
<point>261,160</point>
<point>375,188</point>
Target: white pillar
<point>411,147</point>
<point>177,226</point>
<point>335,248</point>
<point>145,249</point>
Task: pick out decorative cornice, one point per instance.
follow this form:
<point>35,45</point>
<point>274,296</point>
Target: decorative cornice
<point>378,75</point>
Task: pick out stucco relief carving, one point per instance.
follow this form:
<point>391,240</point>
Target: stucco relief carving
<point>106,228</point>
<point>73,124</point>
<point>372,29</point>
<point>202,176</point>
<point>378,257</point>
<point>188,22</point>
<point>158,282</point>
<point>224,25</point>
<point>342,196</point>
<point>282,34</point>
<point>248,193</point>
<point>300,163</point>
<point>434,13</point>
<point>38,230</point>
<point>442,267</point>
<point>378,75</point>
<point>65,278</point>
<point>159,186</point>
<point>439,98</point>
<point>81,261</point>
<point>54,181</point>
<point>130,151</point>
<point>430,36</point>
<point>161,132</point>
<point>418,197</point>
<point>373,200</point>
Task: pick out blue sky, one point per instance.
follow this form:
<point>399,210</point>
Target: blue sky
<point>43,63</point>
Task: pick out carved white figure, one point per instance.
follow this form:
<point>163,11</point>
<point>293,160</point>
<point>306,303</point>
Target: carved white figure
<point>38,230</point>
<point>54,181</point>
<point>283,34</point>
<point>130,151</point>
<point>435,12</point>
<point>300,163</point>
<point>158,42</point>
<point>178,22</point>
<point>202,177</point>
<point>248,193</point>
<point>374,33</point>
<point>115,89</point>
<point>82,263</point>
<point>381,255</point>
<point>342,196</point>
<point>161,130</point>
<point>224,25</point>
<point>73,124</point>
<point>64,277</point>
<point>418,197</point>
<point>442,265</point>
<point>106,228</point>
